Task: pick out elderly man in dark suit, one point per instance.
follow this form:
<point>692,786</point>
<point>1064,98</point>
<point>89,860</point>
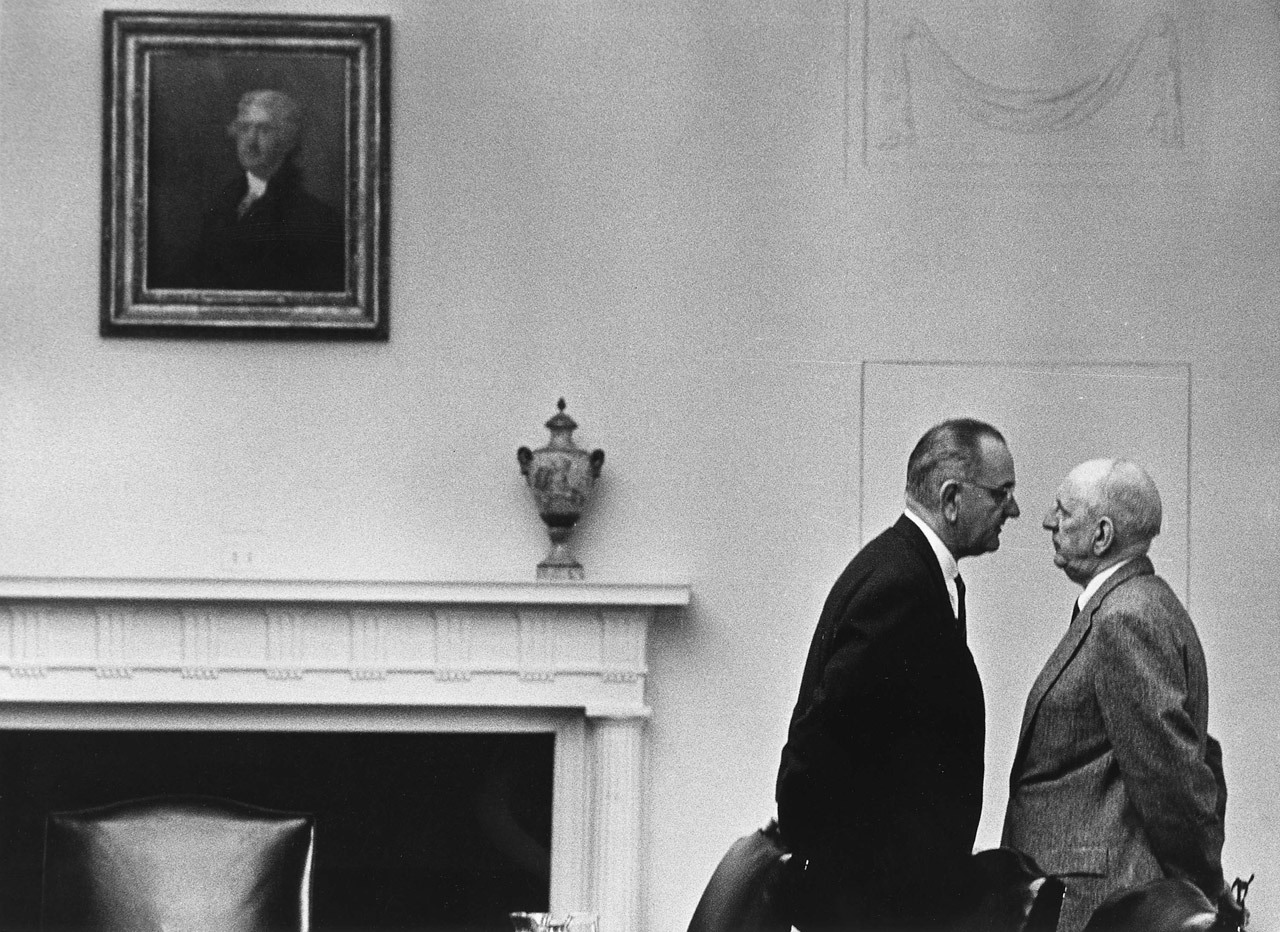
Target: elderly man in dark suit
<point>1116,780</point>
<point>880,788</point>
<point>264,231</point>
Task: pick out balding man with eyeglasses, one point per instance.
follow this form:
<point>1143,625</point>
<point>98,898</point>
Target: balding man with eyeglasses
<point>879,790</point>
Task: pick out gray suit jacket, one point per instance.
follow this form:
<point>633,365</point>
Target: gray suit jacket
<point>1116,780</point>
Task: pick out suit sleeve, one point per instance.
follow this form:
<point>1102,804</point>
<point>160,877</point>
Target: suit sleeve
<point>1166,768</point>
<point>818,770</point>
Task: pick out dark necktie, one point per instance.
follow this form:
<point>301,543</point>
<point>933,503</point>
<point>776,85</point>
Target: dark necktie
<point>1075,609</point>
<point>960,616</point>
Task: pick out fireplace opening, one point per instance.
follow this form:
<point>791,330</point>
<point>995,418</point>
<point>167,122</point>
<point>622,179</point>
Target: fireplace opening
<point>423,831</point>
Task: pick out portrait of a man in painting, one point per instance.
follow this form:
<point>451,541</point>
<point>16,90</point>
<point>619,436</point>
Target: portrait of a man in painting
<point>245,176</point>
<point>256,212</point>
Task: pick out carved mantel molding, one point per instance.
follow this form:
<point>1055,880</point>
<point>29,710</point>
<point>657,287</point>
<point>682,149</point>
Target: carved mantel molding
<point>154,652</point>
<point>548,645</point>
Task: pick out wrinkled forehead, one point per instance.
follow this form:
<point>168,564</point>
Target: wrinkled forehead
<point>1085,481</point>
<point>996,466</point>
<point>1080,489</point>
<point>1069,494</point>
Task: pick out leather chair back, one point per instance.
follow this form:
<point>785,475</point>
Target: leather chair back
<point>194,864</point>
<point>1016,894</point>
<point>1168,905</point>
<point>747,890</point>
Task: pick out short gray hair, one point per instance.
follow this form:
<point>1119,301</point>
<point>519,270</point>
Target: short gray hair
<point>951,450</point>
<point>1128,496</point>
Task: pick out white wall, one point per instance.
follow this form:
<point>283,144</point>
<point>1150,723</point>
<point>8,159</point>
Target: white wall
<point>660,210</point>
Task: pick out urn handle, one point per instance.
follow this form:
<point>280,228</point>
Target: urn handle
<point>597,460</point>
<point>524,456</point>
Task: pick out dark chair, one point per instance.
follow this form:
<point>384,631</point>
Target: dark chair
<point>1016,894</point>
<point>1168,905</point>
<point>177,862</point>
<point>746,892</point>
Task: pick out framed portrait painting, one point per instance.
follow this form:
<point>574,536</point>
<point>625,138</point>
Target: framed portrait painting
<point>245,176</point>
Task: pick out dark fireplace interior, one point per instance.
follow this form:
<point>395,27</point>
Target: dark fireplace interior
<point>423,831</point>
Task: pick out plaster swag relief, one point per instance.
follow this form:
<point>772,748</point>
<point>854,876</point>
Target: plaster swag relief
<point>918,90</point>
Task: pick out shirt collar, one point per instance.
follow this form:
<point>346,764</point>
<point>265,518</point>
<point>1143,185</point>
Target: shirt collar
<point>946,560</point>
<point>1096,583</point>
<point>257,186</point>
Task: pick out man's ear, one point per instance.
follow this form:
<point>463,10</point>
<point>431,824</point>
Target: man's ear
<point>1104,536</point>
<point>949,501</point>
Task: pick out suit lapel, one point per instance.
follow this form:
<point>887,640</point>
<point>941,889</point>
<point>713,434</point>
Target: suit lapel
<point>1068,647</point>
<point>1049,674</point>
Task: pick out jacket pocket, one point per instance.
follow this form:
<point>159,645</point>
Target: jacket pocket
<point>1084,860</point>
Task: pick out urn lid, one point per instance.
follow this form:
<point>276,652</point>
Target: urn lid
<point>560,424</point>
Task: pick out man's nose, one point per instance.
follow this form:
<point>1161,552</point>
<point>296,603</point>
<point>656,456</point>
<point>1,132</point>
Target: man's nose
<point>1050,522</point>
<point>1011,507</point>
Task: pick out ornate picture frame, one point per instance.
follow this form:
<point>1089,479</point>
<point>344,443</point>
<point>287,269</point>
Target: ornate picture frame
<point>245,175</point>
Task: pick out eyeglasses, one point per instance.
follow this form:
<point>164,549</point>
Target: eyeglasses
<point>1001,495</point>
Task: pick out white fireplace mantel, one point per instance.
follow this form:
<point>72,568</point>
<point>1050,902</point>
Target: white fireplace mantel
<point>254,653</point>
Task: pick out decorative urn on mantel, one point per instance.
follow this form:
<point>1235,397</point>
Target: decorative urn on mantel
<point>561,475</point>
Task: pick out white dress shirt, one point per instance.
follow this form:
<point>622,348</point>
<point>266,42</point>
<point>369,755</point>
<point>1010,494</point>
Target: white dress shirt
<point>257,188</point>
<point>946,561</point>
<point>1096,583</point>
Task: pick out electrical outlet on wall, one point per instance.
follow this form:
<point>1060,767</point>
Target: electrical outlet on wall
<point>243,553</point>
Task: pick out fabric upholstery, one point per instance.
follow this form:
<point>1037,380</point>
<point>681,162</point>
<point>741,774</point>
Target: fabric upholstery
<point>194,864</point>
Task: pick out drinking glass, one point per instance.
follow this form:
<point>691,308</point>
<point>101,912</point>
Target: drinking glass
<point>555,922</point>
<point>530,922</point>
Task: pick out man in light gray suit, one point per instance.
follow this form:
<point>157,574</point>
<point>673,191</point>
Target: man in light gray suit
<point>1116,780</point>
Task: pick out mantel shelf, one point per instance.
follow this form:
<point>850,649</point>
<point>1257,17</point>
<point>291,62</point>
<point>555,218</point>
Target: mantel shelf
<point>405,592</point>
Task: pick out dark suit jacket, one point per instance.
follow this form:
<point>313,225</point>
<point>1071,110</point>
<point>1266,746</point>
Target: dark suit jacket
<point>1115,780</point>
<point>880,788</point>
<point>288,240</point>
